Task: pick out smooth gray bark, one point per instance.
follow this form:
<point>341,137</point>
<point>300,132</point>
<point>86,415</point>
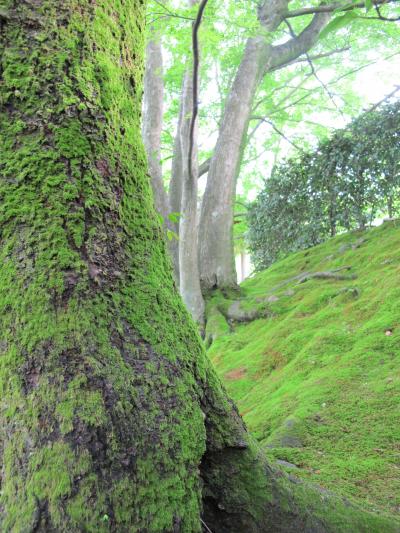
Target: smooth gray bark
<point>217,266</point>
<point>153,120</point>
<point>175,190</point>
<point>151,132</point>
<point>189,279</point>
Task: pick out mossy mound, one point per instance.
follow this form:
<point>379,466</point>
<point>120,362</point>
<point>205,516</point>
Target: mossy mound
<point>317,379</point>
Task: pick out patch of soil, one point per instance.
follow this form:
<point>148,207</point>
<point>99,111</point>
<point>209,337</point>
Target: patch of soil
<point>237,373</point>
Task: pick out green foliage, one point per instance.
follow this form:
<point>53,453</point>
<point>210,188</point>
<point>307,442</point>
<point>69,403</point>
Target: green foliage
<point>319,383</point>
<point>345,183</point>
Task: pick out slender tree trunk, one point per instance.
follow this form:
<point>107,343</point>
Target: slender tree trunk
<point>390,207</point>
<point>175,189</point>
<point>217,266</point>
<point>111,417</point>
<point>189,283</point>
<point>151,131</point>
<point>153,120</point>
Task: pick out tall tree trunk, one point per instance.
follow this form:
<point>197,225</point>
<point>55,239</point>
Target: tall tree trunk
<point>101,423</point>
<point>153,120</point>
<point>217,266</point>
<point>175,189</point>
<point>111,417</point>
<point>217,261</point>
<point>189,280</point>
<point>151,130</point>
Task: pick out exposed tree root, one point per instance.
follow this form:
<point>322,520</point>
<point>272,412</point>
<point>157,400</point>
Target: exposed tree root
<point>238,313</point>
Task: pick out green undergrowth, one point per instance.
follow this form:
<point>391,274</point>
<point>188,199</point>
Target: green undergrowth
<point>318,382</point>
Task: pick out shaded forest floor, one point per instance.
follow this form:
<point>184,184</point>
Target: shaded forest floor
<point>313,363</point>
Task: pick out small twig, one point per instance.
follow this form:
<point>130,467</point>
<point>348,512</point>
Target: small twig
<point>279,132</point>
<point>314,72</point>
<point>170,13</point>
<point>205,525</point>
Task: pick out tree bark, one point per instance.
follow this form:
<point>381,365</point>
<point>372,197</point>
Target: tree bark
<point>101,372</point>
<point>189,279</point>
<point>151,131</point>
<point>175,189</point>
<point>217,266</point>
<point>153,120</point>
<point>111,416</point>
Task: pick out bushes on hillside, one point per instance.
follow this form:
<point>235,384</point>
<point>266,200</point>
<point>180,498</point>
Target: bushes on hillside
<point>346,183</point>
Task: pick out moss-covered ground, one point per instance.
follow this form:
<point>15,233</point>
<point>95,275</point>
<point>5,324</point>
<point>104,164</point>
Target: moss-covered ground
<point>318,382</point>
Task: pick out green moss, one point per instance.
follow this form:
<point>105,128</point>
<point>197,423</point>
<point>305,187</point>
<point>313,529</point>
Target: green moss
<point>99,360</point>
<point>325,360</point>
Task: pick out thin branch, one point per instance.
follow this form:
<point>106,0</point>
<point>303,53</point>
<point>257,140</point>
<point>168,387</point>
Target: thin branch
<point>204,167</point>
<point>381,17</point>
<point>195,45</point>
<point>362,67</point>
<point>171,13</point>
<point>205,526</point>
<point>314,73</point>
<point>168,15</point>
<point>387,97</point>
<point>332,7</point>
<point>279,132</point>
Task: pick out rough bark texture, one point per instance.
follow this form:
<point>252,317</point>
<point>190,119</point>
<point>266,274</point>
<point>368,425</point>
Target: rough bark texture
<point>111,418</point>
<point>217,267</point>
<point>101,427</point>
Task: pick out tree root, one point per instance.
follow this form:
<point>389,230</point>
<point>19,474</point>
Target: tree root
<point>329,274</point>
<point>237,313</point>
<point>305,276</point>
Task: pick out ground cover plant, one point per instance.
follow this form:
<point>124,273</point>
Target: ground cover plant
<point>317,379</point>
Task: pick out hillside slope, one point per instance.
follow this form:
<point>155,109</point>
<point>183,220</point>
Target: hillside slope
<point>317,378</point>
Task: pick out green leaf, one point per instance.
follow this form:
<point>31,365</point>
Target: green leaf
<point>368,5</point>
<point>171,235</point>
<point>338,22</point>
<point>174,217</point>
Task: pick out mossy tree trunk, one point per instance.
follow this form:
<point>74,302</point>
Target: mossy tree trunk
<point>111,418</point>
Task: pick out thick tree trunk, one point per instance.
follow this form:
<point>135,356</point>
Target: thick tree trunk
<point>189,280</point>
<point>111,417</point>
<point>217,262</point>
<point>217,265</point>
<point>101,425</point>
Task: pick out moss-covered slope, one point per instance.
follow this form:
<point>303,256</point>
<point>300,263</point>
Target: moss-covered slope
<point>318,382</point>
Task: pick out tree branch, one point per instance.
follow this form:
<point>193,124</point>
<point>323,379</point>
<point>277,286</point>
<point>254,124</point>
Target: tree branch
<point>279,132</point>
<point>313,58</point>
<point>204,167</point>
<point>314,72</point>
<point>332,7</point>
<point>387,97</point>
<point>285,53</point>
<point>195,45</point>
<point>381,17</point>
